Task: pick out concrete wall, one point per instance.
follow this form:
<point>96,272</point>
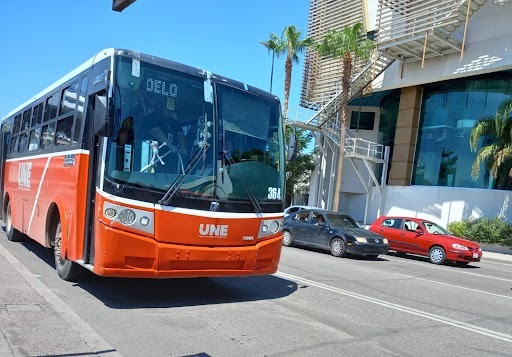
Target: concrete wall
<point>487,49</point>
<point>442,205</point>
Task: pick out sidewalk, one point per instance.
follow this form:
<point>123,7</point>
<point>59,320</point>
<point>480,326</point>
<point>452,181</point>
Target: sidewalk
<point>36,322</point>
<point>506,258</point>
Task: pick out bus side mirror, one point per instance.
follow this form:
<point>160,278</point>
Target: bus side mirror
<point>292,148</point>
<point>103,117</point>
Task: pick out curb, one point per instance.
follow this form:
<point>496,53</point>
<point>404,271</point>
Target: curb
<point>82,328</point>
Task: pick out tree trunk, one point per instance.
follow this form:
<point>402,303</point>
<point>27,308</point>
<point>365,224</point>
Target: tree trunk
<point>287,85</point>
<point>345,91</point>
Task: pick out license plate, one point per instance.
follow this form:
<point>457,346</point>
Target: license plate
<point>475,255</point>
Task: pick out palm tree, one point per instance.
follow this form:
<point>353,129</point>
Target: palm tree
<point>275,45</point>
<point>346,45</point>
<point>292,44</point>
<point>496,156</point>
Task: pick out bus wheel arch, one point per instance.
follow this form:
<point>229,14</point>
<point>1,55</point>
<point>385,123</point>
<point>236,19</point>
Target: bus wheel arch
<point>66,269</point>
<point>12,233</point>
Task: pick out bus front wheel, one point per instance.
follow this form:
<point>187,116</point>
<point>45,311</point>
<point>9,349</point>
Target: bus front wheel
<point>12,233</point>
<point>66,269</point>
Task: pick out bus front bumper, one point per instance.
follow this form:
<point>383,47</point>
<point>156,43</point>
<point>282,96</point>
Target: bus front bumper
<point>123,254</point>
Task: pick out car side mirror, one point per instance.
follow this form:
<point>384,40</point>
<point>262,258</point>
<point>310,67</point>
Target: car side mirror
<point>292,148</point>
<point>419,231</point>
<point>321,223</point>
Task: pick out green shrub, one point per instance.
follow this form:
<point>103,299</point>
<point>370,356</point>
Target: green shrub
<point>484,230</point>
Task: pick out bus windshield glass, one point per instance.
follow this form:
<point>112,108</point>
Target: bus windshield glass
<point>167,137</point>
<point>250,142</point>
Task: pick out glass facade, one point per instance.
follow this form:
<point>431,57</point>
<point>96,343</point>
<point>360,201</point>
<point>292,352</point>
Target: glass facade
<point>449,111</point>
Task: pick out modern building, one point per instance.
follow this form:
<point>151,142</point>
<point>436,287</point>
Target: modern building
<point>439,67</point>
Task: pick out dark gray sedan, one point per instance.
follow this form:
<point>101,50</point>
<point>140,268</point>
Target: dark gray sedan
<point>336,232</point>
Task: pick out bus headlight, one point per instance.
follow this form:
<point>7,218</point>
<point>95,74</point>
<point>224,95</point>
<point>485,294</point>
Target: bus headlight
<point>270,227</point>
<point>274,226</point>
<point>134,218</point>
<point>126,216</point>
<point>144,221</point>
<point>110,213</point>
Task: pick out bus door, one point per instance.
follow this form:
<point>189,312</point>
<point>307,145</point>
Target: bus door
<point>98,86</point>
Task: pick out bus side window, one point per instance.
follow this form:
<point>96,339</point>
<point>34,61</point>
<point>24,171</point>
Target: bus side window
<point>63,132</point>
<point>80,110</point>
<point>52,104</point>
<point>35,136</point>
<point>47,135</point>
<point>26,119</point>
<point>37,115</point>
<point>17,124</point>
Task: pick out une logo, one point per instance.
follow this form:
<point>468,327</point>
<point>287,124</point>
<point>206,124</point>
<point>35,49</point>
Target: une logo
<point>213,230</point>
<point>24,173</point>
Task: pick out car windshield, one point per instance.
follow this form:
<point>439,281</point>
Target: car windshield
<point>434,228</point>
<point>342,221</point>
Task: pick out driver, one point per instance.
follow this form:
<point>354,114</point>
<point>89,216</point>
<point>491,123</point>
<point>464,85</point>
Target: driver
<point>163,126</point>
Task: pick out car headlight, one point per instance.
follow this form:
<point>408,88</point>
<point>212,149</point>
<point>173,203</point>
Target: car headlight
<point>459,246</point>
<point>385,241</point>
<point>361,240</point>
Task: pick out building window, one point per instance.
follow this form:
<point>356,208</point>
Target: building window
<point>449,112</point>
<point>362,120</point>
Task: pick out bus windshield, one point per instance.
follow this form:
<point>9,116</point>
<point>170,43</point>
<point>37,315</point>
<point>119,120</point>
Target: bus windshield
<point>168,136</point>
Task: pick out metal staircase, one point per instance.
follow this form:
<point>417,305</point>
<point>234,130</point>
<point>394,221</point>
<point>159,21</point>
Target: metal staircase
<point>412,30</point>
<point>327,121</point>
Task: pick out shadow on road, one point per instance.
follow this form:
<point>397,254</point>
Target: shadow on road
<point>120,293</point>
<point>420,258</point>
<point>349,256</point>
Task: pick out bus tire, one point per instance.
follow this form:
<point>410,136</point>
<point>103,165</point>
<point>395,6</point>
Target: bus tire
<point>66,269</point>
<point>12,233</point>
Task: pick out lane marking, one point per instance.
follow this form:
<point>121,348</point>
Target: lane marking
<point>455,286</point>
<point>444,320</point>
<point>437,267</point>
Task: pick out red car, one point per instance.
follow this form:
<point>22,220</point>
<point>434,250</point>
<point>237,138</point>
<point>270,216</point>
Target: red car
<point>422,237</point>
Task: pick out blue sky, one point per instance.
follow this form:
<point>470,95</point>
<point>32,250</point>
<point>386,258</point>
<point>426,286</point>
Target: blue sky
<point>41,41</point>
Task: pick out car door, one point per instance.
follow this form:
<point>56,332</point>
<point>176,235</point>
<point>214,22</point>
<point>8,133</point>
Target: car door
<point>317,230</point>
<point>411,239</point>
<point>300,227</point>
<point>391,228</point>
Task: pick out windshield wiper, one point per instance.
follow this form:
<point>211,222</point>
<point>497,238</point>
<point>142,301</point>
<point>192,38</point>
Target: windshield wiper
<point>252,198</point>
<point>179,180</point>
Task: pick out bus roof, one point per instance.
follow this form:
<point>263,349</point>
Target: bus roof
<point>145,57</point>
<point>95,59</point>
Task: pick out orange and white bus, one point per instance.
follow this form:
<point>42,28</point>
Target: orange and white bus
<point>136,166</point>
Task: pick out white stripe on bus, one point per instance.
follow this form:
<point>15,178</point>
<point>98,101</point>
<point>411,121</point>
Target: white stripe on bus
<point>52,154</point>
<point>187,211</point>
<point>37,194</point>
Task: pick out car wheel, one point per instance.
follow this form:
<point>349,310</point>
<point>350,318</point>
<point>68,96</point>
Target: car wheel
<point>437,255</point>
<point>12,233</point>
<point>338,248</point>
<point>287,239</point>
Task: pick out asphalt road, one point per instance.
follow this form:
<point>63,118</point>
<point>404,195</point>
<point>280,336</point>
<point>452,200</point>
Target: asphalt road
<point>316,305</point>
